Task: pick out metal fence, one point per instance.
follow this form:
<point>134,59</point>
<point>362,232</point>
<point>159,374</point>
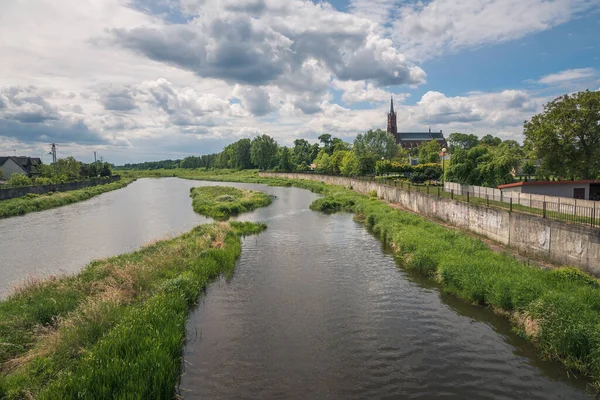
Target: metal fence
<point>571,213</point>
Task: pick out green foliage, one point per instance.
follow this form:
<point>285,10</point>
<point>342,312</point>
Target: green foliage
<point>221,202</point>
<point>557,309</point>
<point>285,160</point>
<point>375,144</point>
<point>1,174</point>
<point>426,172</point>
<point>430,152</point>
<point>106,346</point>
<point>489,140</point>
<point>462,141</point>
<point>263,151</point>
<point>303,152</point>
<point>24,205</point>
<point>565,137</point>
<point>349,164</point>
<point>485,165</point>
<point>17,179</point>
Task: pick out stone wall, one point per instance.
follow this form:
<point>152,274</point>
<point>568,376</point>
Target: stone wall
<point>556,241</point>
<point>11,193</point>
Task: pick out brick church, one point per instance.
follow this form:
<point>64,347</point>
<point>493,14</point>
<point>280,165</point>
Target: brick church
<point>409,140</point>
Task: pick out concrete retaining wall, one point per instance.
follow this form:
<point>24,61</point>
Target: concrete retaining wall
<point>11,193</point>
<point>557,241</point>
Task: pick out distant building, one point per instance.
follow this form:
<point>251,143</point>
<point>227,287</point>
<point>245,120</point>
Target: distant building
<point>409,140</point>
<point>584,189</point>
<point>20,165</point>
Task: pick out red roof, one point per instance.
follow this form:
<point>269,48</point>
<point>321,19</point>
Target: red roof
<point>509,185</point>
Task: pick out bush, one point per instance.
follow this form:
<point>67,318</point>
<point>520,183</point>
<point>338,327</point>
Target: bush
<point>19,180</point>
<point>43,181</point>
<point>373,193</point>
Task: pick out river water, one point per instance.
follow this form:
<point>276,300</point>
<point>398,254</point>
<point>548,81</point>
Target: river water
<point>316,308</point>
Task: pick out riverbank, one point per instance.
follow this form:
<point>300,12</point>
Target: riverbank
<point>33,202</point>
<point>557,310</point>
<point>221,202</point>
<point>117,328</point>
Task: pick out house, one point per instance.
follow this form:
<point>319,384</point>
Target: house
<point>21,165</point>
<point>410,140</point>
<point>583,189</point>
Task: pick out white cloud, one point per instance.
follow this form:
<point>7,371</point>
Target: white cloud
<point>427,29</point>
<point>568,76</point>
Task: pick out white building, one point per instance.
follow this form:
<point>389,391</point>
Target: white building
<point>20,165</point>
<point>584,189</point>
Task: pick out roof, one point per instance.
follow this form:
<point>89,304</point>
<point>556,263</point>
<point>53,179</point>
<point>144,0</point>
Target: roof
<point>428,136</point>
<point>27,163</point>
<point>541,183</point>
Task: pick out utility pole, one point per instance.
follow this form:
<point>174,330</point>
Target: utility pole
<point>53,152</point>
<point>96,164</point>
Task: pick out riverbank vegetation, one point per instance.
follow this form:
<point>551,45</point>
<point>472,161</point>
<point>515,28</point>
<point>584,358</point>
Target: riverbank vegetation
<point>116,329</point>
<point>38,202</point>
<point>558,310</point>
<point>221,202</point>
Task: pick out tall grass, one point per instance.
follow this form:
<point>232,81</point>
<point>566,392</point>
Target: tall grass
<point>558,310</point>
<point>33,202</point>
<point>115,330</point>
<point>221,202</point>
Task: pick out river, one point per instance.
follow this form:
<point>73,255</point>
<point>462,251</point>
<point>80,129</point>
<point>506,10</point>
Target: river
<point>316,308</point>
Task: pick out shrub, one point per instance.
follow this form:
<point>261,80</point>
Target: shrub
<point>19,180</point>
<point>373,193</point>
<point>43,181</point>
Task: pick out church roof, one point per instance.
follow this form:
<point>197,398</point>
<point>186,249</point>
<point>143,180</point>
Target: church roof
<point>428,136</point>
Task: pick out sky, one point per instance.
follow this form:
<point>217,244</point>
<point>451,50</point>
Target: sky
<point>140,80</point>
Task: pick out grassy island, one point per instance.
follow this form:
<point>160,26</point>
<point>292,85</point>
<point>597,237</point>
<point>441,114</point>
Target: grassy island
<point>116,329</point>
<point>34,202</point>
<point>221,202</point>
<point>558,310</point>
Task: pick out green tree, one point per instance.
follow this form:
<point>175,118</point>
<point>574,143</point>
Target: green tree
<point>1,174</point>
<point>490,140</point>
<point>322,162</point>
<point>430,152</point>
<point>303,152</point>
<point>529,168</point>
<point>263,151</point>
<point>565,136</point>
<point>372,146</point>
<point>106,170</point>
<point>18,179</point>
<point>349,164</point>
<point>327,142</point>
<point>285,159</point>
<point>69,167</point>
<point>240,154</point>
<point>464,141</point>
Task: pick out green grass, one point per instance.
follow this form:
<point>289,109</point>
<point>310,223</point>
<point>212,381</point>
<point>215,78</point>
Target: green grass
<point>558,310</point>
<point>34,202</point>
<point>115,330</point>
<point>221,202</point>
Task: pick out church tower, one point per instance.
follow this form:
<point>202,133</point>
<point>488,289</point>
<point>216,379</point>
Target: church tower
<point>391,126</point>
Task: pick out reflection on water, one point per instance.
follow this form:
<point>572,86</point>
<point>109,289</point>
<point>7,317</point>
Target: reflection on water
<point>315,310</point>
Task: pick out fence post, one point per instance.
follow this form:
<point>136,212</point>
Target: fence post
<point>487,200</point>
<point>593,216</point>
<point>452,194</point>
<point>427,190</point>
<point>438,192</point>
<point>511,204</point>
<point>468,197</point>
<point>544,207</point>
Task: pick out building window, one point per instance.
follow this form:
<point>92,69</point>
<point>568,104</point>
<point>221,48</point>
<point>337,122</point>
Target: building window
<point>579,193</point>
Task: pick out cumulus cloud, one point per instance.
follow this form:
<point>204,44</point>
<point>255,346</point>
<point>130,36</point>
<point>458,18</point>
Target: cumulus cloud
<point>255,100</point>
<point>238,47</point>
<point>118,99</point>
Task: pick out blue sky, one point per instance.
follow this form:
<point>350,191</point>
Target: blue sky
<point>141,80</point>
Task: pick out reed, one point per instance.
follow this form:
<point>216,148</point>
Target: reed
<point>116,329</point>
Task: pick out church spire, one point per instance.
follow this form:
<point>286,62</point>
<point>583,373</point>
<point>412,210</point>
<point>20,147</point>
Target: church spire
<point>392,105</point>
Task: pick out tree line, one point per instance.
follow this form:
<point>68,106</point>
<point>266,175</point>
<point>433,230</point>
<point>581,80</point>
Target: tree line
<point>562,142</point>
<point>67,169</point>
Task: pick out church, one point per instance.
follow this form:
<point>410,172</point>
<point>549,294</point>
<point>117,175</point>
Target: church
<point>409,140</point>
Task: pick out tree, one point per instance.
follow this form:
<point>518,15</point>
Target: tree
<point>529,168</point>
<point>302,152</point>
<point>106,170</point>
<point>285,159</point>
<point>322,162</point>
<point>240,154</point>
<point>349,164</point>
<point>263,151</point>
<point>490,140</point>
<point>430,152</point>
<point>69,167</point>
<point>1,174</point>
<point>565,136</point>
<point>485,165</point>
<point>327,142</point>
<point>464,141</point>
